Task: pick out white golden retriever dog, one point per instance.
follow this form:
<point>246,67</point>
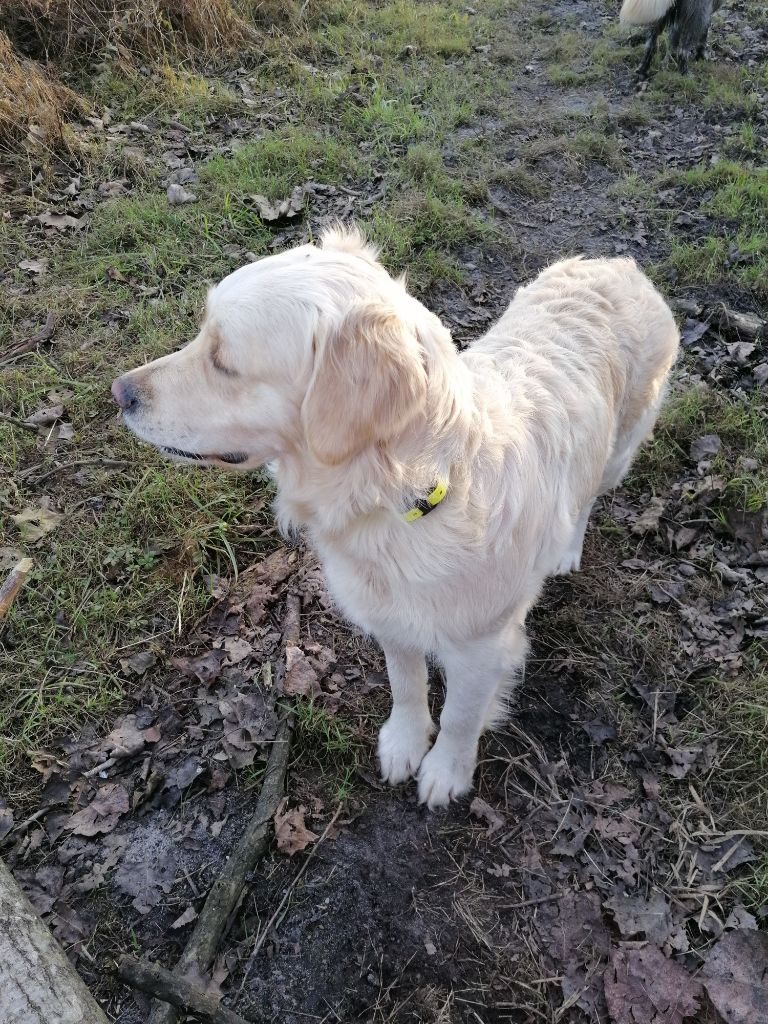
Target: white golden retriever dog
<point>319,363</point>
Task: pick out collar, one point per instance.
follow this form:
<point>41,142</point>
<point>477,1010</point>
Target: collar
<point>424,506</point>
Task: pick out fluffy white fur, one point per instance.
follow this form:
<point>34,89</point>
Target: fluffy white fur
<point>318,362</point>
<point>643,12</point>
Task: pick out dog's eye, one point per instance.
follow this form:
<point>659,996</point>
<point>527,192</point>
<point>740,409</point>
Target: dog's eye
<point>219,366</point>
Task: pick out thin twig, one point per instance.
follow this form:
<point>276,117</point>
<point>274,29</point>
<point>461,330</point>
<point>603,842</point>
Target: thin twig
<point>531,903</point>
<point>109,463</point>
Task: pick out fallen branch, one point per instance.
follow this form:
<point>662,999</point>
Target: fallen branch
<point>226,891</point>
<point>746,326</point>
<point>182,994</point>
<point>45,333</point>
<point>38,984</point>
<point>12,584</point>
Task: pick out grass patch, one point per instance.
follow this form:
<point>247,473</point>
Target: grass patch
<point>328,744</point>
<point>737,196</point>
<point>741,424</point>
<point>33,107</point>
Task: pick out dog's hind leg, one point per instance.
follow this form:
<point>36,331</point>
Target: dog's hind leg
<point>650,48</point>
<point>405,737</point>
<point>478,674</point>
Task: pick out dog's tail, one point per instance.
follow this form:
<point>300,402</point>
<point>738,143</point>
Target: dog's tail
<point>644,12</point>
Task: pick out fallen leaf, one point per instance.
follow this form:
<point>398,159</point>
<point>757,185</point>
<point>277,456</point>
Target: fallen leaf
<point>128,738</point>
<point>178,195</point>
<point>637,915</point>
<point>278,212</point>
<point>666,591</point>
<point>237,649</point>
<point>46,416</point>
<point>205,667</point>
<point>485,812</point>
<point>740,918</point>
<point>34,266</point>
<point>112,189</point>
<point>300,676</point>
<point>735,976</point>
<point>187,917</point>
<point>642,986</point>
<point>599,731</point>
<point>291,833</point>
<point>683,759</point>
<point>148,868</point>
<point>137,664</point>
<point>740,351</point>
<point>692,331</point>
<point>709,444</point>
<point>35,523</point>
<point>59,221</point>
<point>103,812</point>
<point>748,527</point>
<point>648,520</point>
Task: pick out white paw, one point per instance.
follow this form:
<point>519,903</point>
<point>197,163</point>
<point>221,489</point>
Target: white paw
<point>445,775</point>
<point>404,739</point>
<point>570,562</point>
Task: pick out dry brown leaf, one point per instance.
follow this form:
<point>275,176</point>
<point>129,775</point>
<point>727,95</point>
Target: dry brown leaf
<point>187,917</point>
<point>736,977</point>
<point>291,833</point>
<point>300,676</point>
<point>35,523</point>
<point>46,416</point>
<point>34,266</point>
<point>643,987</point>
<point>648,521</point>
<point>488,814</point>
<point>59,221</point>
<point>103,812</point>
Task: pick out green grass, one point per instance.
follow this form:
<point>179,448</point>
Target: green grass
<point>329,745</point>
<point>736,196</point>
<point>741,424</point>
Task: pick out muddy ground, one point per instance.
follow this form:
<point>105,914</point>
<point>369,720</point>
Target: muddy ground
<point>608,868</point>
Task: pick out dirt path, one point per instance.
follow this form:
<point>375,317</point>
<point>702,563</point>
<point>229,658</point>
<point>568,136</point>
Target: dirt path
<point>616,841</point>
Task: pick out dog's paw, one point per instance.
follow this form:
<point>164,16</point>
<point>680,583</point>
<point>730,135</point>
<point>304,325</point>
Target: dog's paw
<point>570,562</point>
<point>445,775</point>
<point>404,739</point>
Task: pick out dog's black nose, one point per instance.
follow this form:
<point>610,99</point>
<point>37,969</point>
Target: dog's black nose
<point>125,394</point>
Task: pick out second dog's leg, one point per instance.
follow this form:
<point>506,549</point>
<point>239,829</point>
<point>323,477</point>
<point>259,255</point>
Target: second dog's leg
<point>405,737</point>
<point>650,49</point>
<point>475,672</point>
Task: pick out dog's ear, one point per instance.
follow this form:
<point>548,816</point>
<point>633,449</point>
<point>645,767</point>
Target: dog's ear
<point>368,383</point>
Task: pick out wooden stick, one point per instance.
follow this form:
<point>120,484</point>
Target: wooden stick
<point>182,994</point>
<point>38,984</point>
<point>12,584</point>
<point>226,891</point>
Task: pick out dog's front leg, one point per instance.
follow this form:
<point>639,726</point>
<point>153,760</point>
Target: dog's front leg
<point>405,737</point>
<point>477,675</point>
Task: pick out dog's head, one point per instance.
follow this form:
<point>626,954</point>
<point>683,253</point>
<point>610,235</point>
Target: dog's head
<point>316,350</point>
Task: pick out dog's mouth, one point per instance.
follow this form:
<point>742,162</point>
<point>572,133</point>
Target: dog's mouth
<point>230,458</point>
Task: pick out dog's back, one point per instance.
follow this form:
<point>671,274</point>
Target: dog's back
<point>597,340</point>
